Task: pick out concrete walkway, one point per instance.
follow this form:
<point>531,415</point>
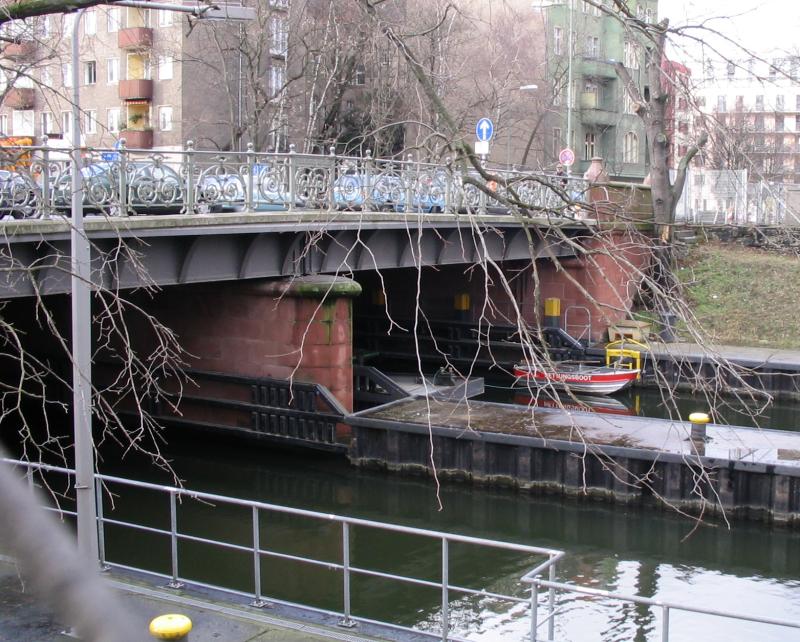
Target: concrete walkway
<point>23,618</point>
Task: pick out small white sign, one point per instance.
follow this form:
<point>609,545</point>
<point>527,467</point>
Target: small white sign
<point>482,147</point>
<point>566,157</point>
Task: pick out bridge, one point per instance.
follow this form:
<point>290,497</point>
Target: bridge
<point>296,236</point>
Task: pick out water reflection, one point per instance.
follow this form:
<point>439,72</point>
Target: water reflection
<point>750,568</point>
<point>647,402</point>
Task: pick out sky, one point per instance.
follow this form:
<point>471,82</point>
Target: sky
<point>765,26</point>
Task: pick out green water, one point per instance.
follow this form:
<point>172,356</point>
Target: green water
<point>649,402</point>
<point>747,569</point>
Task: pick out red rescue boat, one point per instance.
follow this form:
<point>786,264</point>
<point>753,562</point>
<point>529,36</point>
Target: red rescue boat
<point>578,377</point>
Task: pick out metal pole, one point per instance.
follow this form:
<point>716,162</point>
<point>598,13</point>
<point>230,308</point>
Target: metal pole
<point>445,589</point>
<point>534,609</point>
<point>173,540</point>
<point>346,621</point>
<point>570,36</point>
<point>551,604</point>
<point>81,333</point>
<point>665,625</point>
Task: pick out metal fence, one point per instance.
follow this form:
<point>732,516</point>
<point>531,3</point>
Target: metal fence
<point>543,591</point>
<point>35,182</point>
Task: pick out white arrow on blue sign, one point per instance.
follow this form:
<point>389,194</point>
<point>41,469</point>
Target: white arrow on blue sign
<point>484,130</point>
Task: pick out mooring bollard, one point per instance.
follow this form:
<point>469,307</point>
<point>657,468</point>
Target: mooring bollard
<point>172,626</point>
<point>699,421</point>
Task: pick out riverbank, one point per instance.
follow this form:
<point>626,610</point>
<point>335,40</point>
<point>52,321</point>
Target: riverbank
<point>744,296</point>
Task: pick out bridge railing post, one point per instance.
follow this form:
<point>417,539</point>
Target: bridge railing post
<point>291,169</point>
<point>408,182</point>
<point>122,185</point>
<point>46,204</point>
<point>251,169</point>
<point>332,175</point>
<point>369,181</point>
<point>188,172</point>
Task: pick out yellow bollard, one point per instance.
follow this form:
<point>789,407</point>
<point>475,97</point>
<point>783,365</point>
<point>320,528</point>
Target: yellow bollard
<point>172,626</point>
<point>552,313</point>
<point>699,421</point>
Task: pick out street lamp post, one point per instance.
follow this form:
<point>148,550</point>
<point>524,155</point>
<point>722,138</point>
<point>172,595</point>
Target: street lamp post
<point>81,284</point>
<point>570,47</point>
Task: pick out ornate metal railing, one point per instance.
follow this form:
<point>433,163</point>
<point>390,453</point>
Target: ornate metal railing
<point>35,182</point>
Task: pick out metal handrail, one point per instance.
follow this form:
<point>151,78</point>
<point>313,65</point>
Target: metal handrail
<point>123,181</point>
<point>258,551</point>
<point>532,577</point>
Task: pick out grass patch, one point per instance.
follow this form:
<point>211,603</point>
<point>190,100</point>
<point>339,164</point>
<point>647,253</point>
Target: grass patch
<point>744,296</point>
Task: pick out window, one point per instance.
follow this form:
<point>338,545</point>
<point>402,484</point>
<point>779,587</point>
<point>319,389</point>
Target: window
<point>630,148</point>
<point>164,18</point>
<point>283,4</point>
<point>360,76</point>
<point>586,7</point>
<point>589,142</point>
<point>113,119</point>
<point>591,93</point>
<point>739,103</point>
<point>47,76</point>
<point>23,81</point>
<point>90,121</point>
<point>279,36</point>
<point>592,49</point>
<point>165,68</point>
<point>797,103</point>
<point>112,69</point>
<point>66,123</point>
<point>90,72</point>
<point>66,74</point>
<point>721,104</point>
<point>4,124</point>
<point>779,103</point>
<point>276,79</point>
<point>631,55</point>
<point>114,19</point>
<point>759,103</point>
<point>22,122</point>
<point>165,118</point>
<point>47,123</point>
<point>683,127</point>
<point>556,141</point>
<point>778,123</point>
<point>558,41</point>
<point>68,22</point>
<point>90,22</point>
<point>628,105</point>
<point>683,104</point>
<point>45,27</point>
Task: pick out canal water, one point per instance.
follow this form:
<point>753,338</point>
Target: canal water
<point>748,568</point>
<point>649,402</point>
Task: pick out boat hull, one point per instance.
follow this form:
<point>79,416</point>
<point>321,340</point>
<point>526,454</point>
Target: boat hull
<point>594,380</point>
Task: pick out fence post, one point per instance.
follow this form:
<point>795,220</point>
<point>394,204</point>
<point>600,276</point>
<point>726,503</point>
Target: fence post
<point>259,601</point>
<point>174,583</point>
<point>331,180</point>
<point>346,620</point>
<point>101,527</point>
<point>251,166</point>
<point>290,164</point>
<point>551,602</point>
<point>46,197</point>
<point>445,589</point>
<point>190,199</point>
<point>534,609</point>
<point>123,178</point>
<point>665,624</point>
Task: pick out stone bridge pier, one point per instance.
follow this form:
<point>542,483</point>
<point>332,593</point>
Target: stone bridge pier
<point>299,328</point>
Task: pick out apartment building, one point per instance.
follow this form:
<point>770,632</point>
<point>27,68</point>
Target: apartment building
<point>592,113</point>
<point>752,111</point>
<point>148,76</point>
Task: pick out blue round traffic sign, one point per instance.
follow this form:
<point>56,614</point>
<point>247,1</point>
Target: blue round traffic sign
<point>484,130</point>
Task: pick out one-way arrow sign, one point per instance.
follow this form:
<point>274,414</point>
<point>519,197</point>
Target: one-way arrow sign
<point>484,130</point>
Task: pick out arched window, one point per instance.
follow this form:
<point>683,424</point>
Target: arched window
<point>630,149</point>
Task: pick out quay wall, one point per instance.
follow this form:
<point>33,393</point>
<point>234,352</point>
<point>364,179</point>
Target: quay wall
<point>698,485</point>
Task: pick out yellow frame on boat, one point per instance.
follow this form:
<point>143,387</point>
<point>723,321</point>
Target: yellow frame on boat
<point>634,356</point>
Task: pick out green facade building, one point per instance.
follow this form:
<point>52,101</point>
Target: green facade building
<point>600,121</point>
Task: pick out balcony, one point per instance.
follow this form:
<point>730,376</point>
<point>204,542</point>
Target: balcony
<point>597,68</point>
<point>603,117</point>
<point>17,50</point>
<point>137,138</point>
<point>20,98</point>
<point>134,38</point>
<point>136,89</point>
